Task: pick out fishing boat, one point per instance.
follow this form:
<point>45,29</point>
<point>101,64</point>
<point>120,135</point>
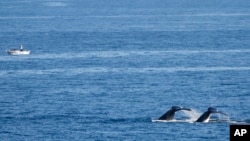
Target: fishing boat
<point>20,51</point>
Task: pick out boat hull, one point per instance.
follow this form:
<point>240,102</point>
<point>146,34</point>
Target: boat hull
<point>18,52</point>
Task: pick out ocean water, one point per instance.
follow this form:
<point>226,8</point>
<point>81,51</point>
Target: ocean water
<point>103,69</point>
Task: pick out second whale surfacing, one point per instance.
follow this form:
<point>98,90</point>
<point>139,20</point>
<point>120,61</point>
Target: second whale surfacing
<point>169,115</point>
<point>205,117</point>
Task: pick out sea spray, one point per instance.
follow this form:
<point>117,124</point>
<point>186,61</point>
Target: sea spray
<point>193,115</point>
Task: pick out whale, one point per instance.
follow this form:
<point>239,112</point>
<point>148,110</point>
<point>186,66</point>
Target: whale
<point>205,117</point>
<point>169,115</point>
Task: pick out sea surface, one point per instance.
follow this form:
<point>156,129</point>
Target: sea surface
<point>104,69</point>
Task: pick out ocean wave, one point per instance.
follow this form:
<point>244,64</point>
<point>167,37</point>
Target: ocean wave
<point>114,54</point>
<point>27,17</point>
<point>78,71</point>
<point>55,4</point>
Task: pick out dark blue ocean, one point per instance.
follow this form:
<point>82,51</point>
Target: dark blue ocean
<point>103,69</point>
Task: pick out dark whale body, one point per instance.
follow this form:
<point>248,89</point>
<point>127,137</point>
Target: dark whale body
<point>169,115</point>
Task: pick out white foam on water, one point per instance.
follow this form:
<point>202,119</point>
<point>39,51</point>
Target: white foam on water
<point>193,115</point>
<point>55,4</point>
<point>78,71</point>
<point>171,121</point>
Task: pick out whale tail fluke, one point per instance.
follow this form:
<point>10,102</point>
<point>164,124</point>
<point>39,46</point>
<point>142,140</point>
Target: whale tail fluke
<point>206,115</point>
<point>169,115</point>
